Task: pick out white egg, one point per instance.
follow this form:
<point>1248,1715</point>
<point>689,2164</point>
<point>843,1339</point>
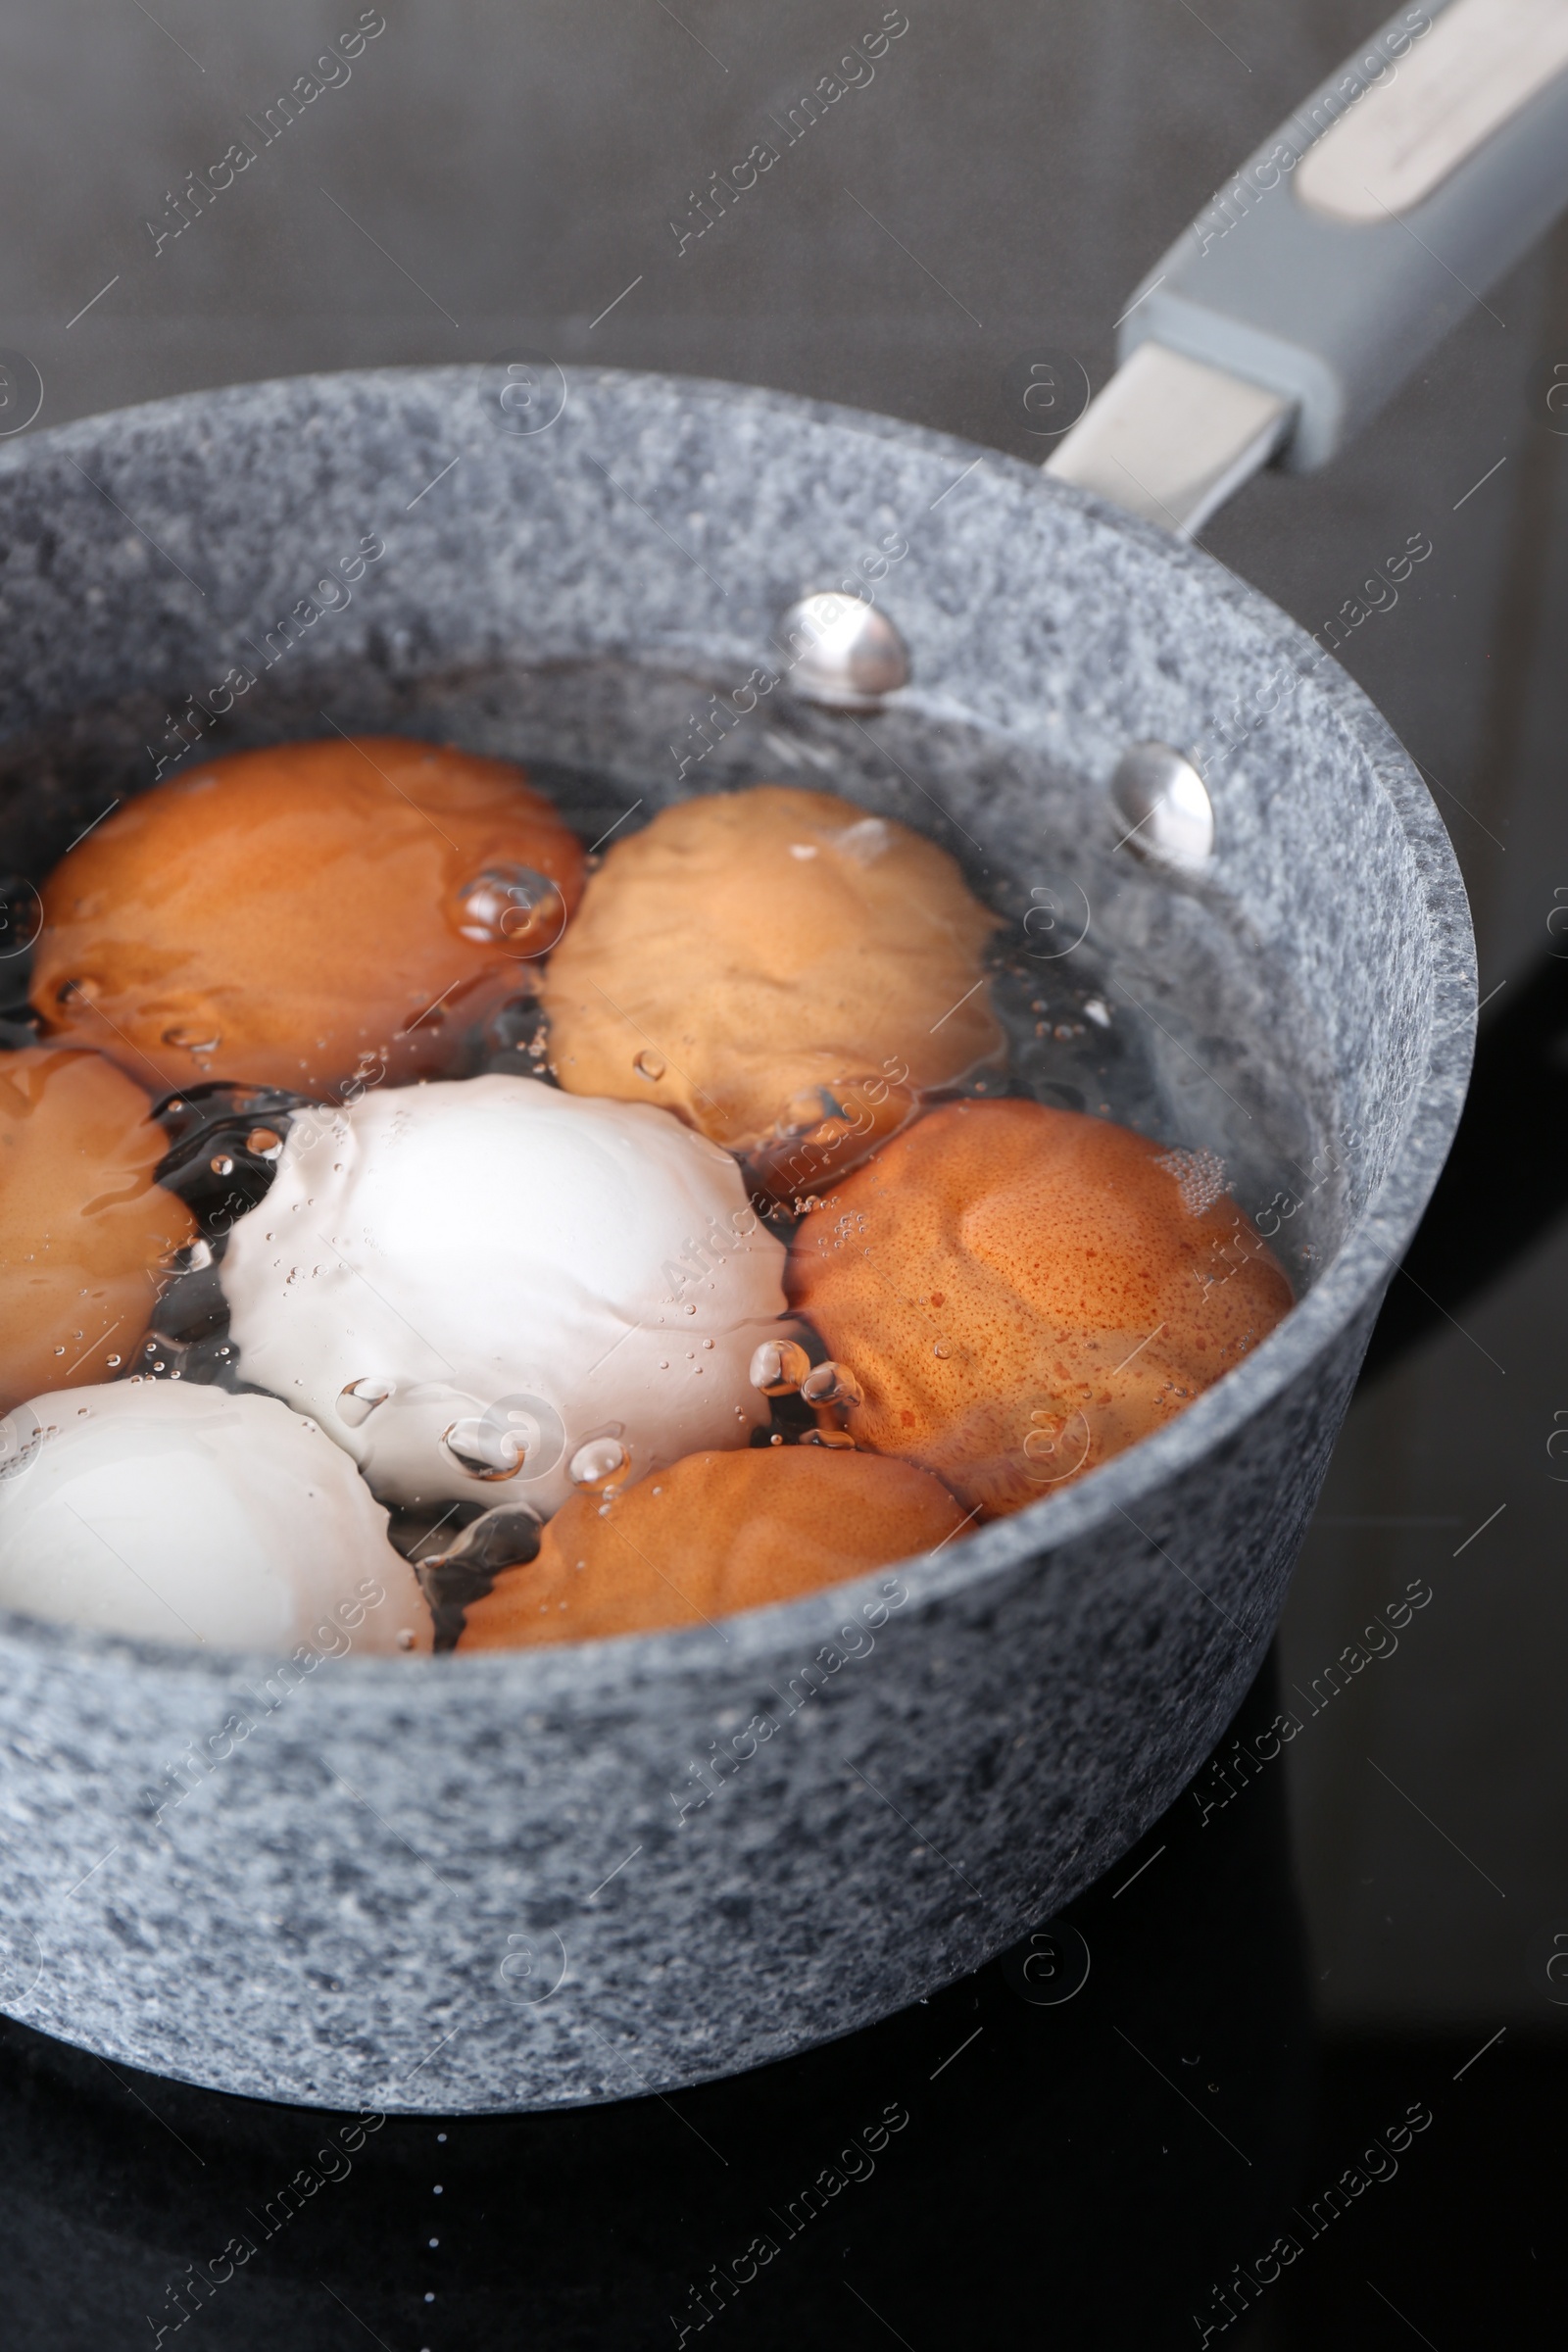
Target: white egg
<point>466,1283</point>
<point>184,1514</point>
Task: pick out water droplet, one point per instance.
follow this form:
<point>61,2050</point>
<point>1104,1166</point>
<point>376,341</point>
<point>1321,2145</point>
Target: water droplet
<point>865,841</point>
<point>83,991</point>
<point>592,1464</point>
<point>832,1383</point>
<point>512,907</point>
<point>264,1143</point>
<point>114,1364</point>
<point>507,1536</point>
<point>221,1164</point>
<point>60,1352</point>
<point>193,1041</point>
<point>941,1348</point>
<point>839,1439</point>
<point>359,1399</point>
<point>649,1065</point>
<point>808,1110</point>
<point>484,1450</point>
<point>779,1367</point>
<point>405,1638</point>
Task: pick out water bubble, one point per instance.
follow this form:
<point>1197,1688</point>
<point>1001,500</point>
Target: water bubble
<point>193,1041</point>
<point>507,1536</point>
<point>513,1431</point>
<point>779,1367</point>
<point>512,907</point>
<point>114,1364</point>
<point>649,1065</point>
<point>484,1451</point>
<point>359,1399</point>
<point>592,1464</point>
<point>865,841</point>
<point>221,1164</point>
<point>808,1110</point>
<point>264,1143</point>
<point>1200,1178</point>
<point>832,1383</point>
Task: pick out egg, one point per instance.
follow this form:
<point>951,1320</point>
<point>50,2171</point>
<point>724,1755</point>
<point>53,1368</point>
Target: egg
<point>713,1534</point>
<point>1019,1292</point>
<point>781,969</point>
<point>188,1515</point>
<point>468,1284</point>
<point>84,1226</point>
<point>306,914</point>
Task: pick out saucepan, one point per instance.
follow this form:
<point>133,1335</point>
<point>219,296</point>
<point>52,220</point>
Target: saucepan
<point>587,1872</point>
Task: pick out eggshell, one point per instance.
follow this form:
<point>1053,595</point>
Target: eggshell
<point>714,1532</point>
<point>295,915</point>
<point>1022,1291</point>
<point>83,1224</point>
<point>781,969</point>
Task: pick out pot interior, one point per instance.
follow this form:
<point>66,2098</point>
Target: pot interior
<point>600,601</point>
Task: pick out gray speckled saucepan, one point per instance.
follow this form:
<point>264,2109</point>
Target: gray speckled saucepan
<point>515,1880</point>
<point>576,1874</point>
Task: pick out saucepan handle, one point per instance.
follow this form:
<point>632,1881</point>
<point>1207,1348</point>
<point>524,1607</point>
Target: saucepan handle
<point>1341,251</point>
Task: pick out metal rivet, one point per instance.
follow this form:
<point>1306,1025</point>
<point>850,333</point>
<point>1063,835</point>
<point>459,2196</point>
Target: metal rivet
<point>846,654</point>
<point>1161,800</point>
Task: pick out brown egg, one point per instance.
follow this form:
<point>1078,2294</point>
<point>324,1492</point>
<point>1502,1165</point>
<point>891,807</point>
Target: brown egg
<point>1021,1293</point>
<point>780,969</point>
<point>720,1532</point>
<point>83,1223</point>
<point>291,916</point>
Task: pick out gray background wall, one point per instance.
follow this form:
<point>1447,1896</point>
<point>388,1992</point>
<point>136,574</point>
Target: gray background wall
<point>497,175</point>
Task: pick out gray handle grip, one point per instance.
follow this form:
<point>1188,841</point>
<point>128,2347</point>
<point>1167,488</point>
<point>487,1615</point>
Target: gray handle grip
<point>1351,241</point>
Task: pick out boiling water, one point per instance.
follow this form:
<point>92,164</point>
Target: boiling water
<point>1136,1000</point>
